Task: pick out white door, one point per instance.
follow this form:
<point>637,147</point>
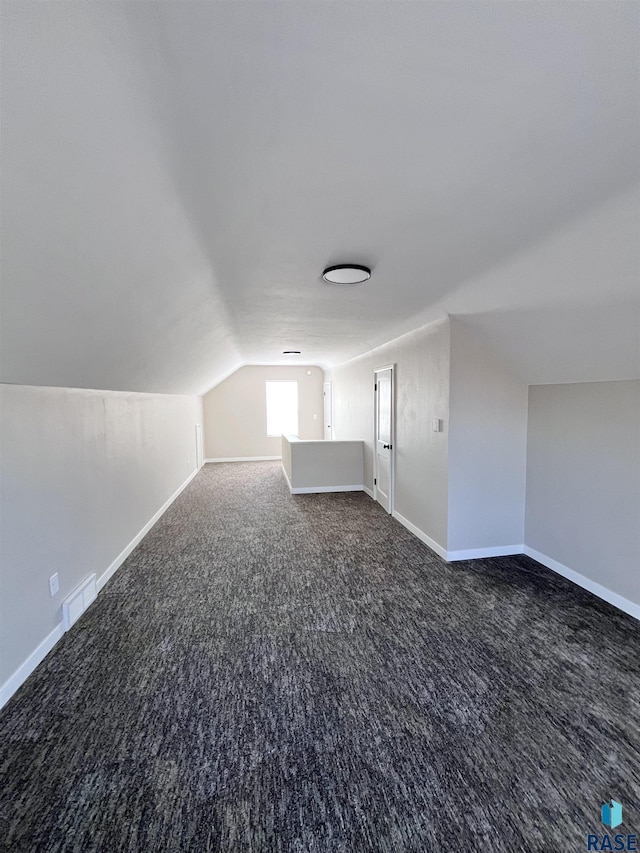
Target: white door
<point>328,411</point>
<point>383,469</point>
<point>199,450</point>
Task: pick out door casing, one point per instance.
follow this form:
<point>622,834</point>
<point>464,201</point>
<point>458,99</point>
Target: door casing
<point>199,447</point>
<point>392,453</point>
<point>327,411</point>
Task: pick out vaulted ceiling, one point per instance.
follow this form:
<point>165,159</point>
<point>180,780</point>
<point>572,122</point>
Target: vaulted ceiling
<point>175,176</point>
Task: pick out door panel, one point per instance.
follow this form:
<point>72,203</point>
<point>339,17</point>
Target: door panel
<point>328,411</point>
<point>199,447</point>
<point>384,438</point>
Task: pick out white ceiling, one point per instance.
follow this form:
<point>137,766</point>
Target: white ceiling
<point>175,176</point>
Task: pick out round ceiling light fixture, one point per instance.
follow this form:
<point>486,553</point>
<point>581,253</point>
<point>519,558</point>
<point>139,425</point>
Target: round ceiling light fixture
<point>346,274</point>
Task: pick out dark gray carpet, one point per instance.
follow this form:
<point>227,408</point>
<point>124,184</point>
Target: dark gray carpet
<point>278,673</point>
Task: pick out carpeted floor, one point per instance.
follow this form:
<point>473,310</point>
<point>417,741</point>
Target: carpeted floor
<point>278,673</point>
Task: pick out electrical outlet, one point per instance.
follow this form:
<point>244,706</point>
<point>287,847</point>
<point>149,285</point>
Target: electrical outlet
<point>188,464</point>
<point>54,585</point>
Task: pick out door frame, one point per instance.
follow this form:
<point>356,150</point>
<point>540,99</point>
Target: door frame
<point>199,447</point>
<point>324,395</point>
<point>392,455</point>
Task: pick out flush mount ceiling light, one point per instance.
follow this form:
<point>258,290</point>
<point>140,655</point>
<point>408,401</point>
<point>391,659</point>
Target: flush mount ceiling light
<point>346,274</point>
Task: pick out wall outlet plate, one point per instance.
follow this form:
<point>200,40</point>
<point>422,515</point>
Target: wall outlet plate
<point>54,585</point>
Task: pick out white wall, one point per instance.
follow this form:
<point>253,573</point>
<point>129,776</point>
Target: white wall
<point>583,481</point>
<point>487,448</point>
<point>235,413</point>
<point>422,393</point>
<point>82,473</point>
<point>463,487</point>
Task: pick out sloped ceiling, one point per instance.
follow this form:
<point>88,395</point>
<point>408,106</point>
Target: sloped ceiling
<point>175,176</point>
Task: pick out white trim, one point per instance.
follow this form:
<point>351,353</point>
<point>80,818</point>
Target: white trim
<point>42,650</point>
<point>122,556</point>
<point>422,536</point>
<point>326,425</point>
<point>316,490</point>
<point>199,446</point>
<point>313,490</point>
<point>369,492</point>
<point>242,459</point>
<point>392,454</point>
<point>454,556</point>
<point>597,589</point>
<point>478,553</point>
<point>26,668</point>
<point>286,476</point>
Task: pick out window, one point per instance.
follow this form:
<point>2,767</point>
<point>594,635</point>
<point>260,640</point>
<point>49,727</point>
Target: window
<point>282,408</point>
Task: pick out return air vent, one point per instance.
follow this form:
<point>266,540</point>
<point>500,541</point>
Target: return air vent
<point>75,604</point>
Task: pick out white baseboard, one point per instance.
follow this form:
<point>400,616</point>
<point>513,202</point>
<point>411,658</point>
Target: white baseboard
<point>422,536</point>
<point>42,650</point>
<point>243,459</point>
<point>454,556</point>
<point>502,551</point>
<point>25,669</point>
<point>317,490</point>
<point>38,654</point>
<point>596,588</point>
<point>122,556</point>
<point>286,476</point>
<point>478,553</point>
<point>368,491</point>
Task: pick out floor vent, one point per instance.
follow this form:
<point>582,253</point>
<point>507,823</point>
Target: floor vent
<point>75,604</point>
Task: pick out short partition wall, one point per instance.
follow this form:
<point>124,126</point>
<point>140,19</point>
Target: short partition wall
<point>322,466</point>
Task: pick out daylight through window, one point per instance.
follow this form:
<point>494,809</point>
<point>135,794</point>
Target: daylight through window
<point>282,408</point>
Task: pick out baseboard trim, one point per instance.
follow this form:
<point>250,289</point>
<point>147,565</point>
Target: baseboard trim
<point>455,556</point>
<point>586,583</point>
<point>36,657</point>
<point>597,589</point>
<point>316,490</point>
<point>286,476</point>
<point>242,459</point>
<point>25,669</point>
<point>368,491</point>
<point>122,556</point>
<point>422,536</point>
<point>479,553</point>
